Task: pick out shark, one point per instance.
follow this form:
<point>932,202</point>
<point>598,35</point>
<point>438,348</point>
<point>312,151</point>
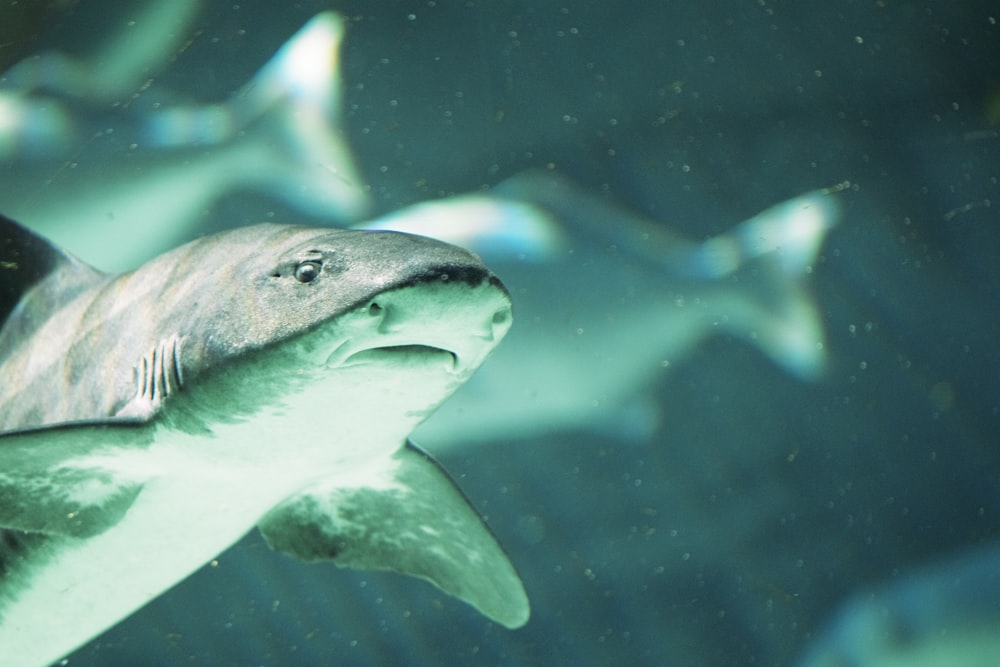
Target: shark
<point>609,301</point>
<point>71,127</point>
<point>264,376</point>
<point>942,613</point>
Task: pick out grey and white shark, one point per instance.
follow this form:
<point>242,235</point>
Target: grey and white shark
<point>96,143</point>
<point>265,376</point>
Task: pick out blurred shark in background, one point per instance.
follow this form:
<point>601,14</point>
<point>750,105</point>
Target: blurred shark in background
<point>943,615</point>
<point>606,300</point>
<point>93,149</point>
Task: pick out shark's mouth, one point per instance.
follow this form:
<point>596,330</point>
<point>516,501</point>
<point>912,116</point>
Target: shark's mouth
<point>404,355</point>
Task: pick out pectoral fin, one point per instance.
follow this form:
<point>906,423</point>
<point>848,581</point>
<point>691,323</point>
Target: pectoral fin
<point>410,518</point>
<point>60,480</point>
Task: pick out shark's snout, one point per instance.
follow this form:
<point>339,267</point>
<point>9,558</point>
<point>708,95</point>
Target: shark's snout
<point>452,324</point>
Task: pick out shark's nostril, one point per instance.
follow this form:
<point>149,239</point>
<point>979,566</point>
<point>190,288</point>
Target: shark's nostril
<point>502,316</point>
<point>382,316</point>
<point>499,324</point>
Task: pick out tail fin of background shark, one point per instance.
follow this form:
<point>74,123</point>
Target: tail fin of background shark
<point>788,235</point>
<point>297,99</point>
<point>280,135</point>
<point>410,519</point>
<point>768,258</point>
<point>120,65</point>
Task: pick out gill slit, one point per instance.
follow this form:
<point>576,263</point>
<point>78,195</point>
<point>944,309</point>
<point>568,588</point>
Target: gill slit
<point>159,374</point>
<point>176,365</point>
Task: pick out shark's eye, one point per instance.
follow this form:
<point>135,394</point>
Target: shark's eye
<point>306,272</point>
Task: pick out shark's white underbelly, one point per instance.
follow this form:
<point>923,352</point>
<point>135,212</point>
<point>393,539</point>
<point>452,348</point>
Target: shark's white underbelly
<point>82,586</point>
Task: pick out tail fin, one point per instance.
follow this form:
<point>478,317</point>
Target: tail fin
<point>278,135</point>
<point>789,233</point>
<point>770,256</point>
<point>291,111</point>
<point>119,66</point>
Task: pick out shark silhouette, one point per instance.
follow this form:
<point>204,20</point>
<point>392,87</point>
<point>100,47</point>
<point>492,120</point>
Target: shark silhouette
<point>265,376</point>
<point>95,146</point>
<point>609,300</point>
<point>941,614</point>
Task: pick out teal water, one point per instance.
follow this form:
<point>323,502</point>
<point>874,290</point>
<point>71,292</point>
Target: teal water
<point>730,531</point>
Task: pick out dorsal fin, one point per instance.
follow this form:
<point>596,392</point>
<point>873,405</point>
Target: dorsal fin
<point>26,259</point>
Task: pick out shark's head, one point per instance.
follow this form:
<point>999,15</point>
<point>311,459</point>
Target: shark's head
<point>314,325</point>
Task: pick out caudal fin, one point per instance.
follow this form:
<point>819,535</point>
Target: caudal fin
<point>279,135</point>
<point>289,115</point>
<point>130,52</point>
<point>789,234</point>
<point>768,258</point>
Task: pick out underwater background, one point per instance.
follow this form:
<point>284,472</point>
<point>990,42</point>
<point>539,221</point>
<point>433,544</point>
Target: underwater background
<point>732,530</point>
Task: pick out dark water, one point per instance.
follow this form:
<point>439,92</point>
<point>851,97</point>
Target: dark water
<point>762,502</point>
